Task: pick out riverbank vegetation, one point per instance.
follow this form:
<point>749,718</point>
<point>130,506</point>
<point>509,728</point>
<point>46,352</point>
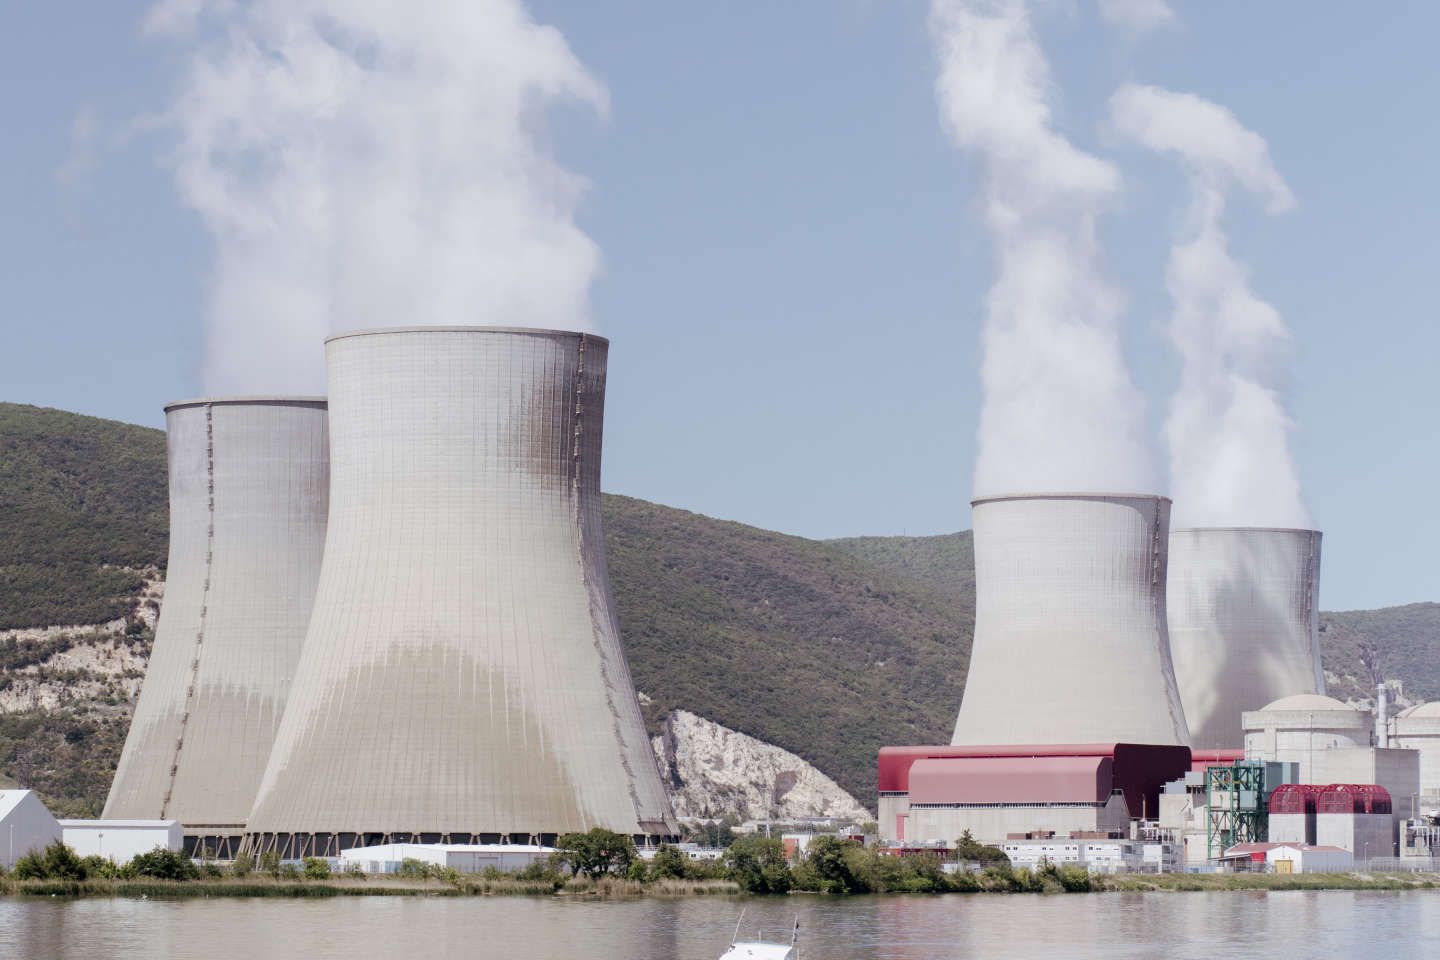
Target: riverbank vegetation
<point>603,865</point>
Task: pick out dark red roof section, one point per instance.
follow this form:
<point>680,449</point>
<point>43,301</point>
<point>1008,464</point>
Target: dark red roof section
<point>1140,770</point>
<point>1294,798</point>
<point>1202,760</point>
<point>1353,798</point>
<point>1012,780</point>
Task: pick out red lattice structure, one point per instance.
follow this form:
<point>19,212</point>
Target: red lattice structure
<point>1353,798</point>
<point>1294,798</point>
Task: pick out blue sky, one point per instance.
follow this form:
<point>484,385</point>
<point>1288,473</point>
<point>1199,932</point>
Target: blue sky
<point>794,262</point>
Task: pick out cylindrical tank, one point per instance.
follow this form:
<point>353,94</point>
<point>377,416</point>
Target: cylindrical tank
<point>462,678</point>
<point>1070,631</point>
<point>1301,728</point>
<point>249,484</point>
<point>1244,624</point>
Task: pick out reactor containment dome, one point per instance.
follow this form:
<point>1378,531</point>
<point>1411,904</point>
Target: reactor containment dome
<point>249,484</point>
<point>1070,628</point>
<point>1244,624</point>
<point>462,679</point>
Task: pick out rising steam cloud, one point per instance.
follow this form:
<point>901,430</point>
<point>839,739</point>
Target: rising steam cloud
<point>1060,411</point>
<point>1228,429</point>
<point>366,163</point>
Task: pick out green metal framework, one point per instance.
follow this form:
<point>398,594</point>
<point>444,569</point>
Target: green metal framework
<point>1237,807</point>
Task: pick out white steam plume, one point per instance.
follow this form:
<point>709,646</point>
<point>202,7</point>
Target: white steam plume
<point>1060,410</point>
<point>1228,429</point>
<point>366,163</point>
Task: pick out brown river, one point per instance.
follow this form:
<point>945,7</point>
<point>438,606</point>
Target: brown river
<point>1174,926</point>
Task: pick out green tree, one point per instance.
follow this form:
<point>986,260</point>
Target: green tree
<point>669,863</point>
<point>969,849</point>
<point>598,852</point>
<point>758,865</point>
<point>270,862</point>
<point>242,865</point>
<point>98,866</point>
<point>316,868</point>
<point>164,864</point>
<point>30,867</point>
<point>841,866</point>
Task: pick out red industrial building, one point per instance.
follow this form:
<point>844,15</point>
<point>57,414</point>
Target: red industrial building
<point>938,793</point>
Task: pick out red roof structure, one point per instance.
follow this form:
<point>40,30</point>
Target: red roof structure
<point>1353,798</point>
<point>1294,798</point>
<point>1139,770</point>
<point>1202,760</point>
<point>1012,780</point>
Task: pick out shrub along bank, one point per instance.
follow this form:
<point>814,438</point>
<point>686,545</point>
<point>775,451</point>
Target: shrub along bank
<point>602,864</point>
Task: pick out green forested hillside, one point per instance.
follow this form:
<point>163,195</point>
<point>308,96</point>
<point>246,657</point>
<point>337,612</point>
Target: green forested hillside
<point>1397,643</point>
<point>829,649</point>
<point>945,563</point>
<point>82,508</point>
<point>786,639</point>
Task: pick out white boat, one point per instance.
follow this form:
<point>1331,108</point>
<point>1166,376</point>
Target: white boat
<point>759,949</point>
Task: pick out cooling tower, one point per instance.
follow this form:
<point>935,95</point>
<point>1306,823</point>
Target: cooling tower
<point>1244,624</point>
<point>1070,642</point>
<point>249,481</point>
<point>462,678</point>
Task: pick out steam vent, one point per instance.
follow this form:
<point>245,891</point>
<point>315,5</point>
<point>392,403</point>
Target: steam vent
<point>1244,624</point>
<point>1070,629</point>
<point>462,678</point>
<point>249,481</point>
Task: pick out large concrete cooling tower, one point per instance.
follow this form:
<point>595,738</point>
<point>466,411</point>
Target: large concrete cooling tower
<point>462,678</point>
<point>249,482</point>
<point>1244,624</point>
<point>1070,642</point>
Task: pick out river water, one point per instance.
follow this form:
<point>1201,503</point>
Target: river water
<point>1175,926</point>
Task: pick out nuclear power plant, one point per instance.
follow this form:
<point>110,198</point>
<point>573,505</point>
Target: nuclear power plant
<point>462,679</point>
<point>388,622</point>
<point>1070,622</point>
<point>249,483</point>
<point>1244,624</point>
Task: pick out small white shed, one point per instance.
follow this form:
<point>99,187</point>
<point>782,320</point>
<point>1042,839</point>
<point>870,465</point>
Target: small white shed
<point>1309,858</point>
<point>25,825</point>
<point>120,841</point>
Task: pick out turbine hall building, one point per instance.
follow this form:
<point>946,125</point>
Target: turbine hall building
<point>249,486</point>
<point>1071,643</point>
<point>1244,624</point>
<point>462,679</point>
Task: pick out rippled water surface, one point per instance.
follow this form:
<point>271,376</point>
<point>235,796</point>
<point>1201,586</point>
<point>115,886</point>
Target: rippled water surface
<point>1228,926</point>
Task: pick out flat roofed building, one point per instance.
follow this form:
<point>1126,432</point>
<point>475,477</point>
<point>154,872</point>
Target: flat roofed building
<point>938,793</point>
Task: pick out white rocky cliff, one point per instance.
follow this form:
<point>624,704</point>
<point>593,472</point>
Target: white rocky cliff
<point>712,770</point>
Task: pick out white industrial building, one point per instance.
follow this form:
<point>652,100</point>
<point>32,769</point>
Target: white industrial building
<point>1308,858</point>
<point>1244,618</point>
<point>1071,640</point>
<point>1397,771</point>
<point>1418,728</point>
<point>26,826</point>
<point>1105,855</point>
<point>249,485</point>
<point>120,841</point>
<point>1299,729</point>
<point>466,858</point>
